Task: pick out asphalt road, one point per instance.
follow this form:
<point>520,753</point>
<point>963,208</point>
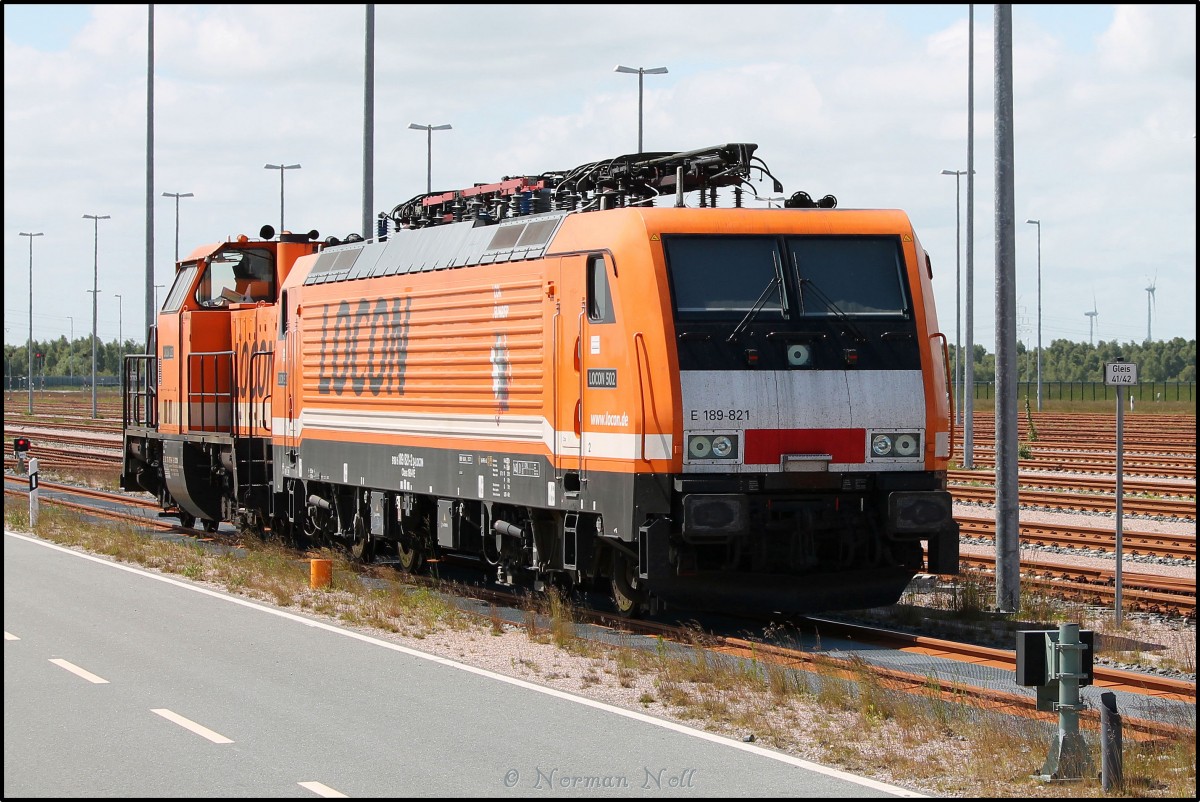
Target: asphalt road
<point>119,682</point>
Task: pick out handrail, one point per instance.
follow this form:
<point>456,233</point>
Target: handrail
<point>638,337</point>
<point>203,395</point>
<point>139,397</point>
<point>949,381</point>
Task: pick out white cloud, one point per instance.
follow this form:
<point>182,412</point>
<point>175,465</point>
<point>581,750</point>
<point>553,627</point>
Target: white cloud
<point>868,103</point>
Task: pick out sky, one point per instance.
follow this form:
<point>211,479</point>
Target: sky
<point>868,103</point>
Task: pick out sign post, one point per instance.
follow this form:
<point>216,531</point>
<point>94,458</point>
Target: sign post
<point>1121,375</point>
<point>33,492</point>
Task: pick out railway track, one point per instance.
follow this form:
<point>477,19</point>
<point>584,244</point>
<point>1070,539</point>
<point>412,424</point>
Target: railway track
<point>759,652</point>
<point>1068,583</point>
<point>1141,592</point>
<point>1131,505</point>
<point>1074,536</point>
<point>1075,461</point>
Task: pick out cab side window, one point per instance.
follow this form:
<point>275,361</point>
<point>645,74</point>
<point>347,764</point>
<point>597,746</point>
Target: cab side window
<point>599,297</point>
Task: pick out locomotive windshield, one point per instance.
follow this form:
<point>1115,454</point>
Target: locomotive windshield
<point>736,277</point>
<point>725,276</point>
<point>242,276</point>
<point>183,282</point>
<point>851,276</point>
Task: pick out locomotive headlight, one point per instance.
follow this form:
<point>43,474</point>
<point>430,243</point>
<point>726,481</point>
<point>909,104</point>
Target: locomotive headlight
<point>895,445</point>
<point>699,446</point>
<point>906,445</point>
<point>799,354</point>
<point>713,446</point>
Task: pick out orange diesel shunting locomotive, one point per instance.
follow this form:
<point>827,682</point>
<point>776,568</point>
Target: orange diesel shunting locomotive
<point>712,407</point>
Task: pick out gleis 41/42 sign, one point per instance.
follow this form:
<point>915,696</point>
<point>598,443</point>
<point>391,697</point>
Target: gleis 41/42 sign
<point>1120,373</point>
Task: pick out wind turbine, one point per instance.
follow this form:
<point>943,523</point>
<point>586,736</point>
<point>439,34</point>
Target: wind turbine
<point>1149,306</point>
<point>1092,319</point>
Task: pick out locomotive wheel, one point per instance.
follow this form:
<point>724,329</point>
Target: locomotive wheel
<point>211,526</point>
<point>628,597</point>
<point>415,544</point>
<point>187,519</point>
<point>363,547</point>
<point>412,560</point>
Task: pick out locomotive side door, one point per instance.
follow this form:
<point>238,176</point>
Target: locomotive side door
<point>606,391</point>
<point>568,310</point>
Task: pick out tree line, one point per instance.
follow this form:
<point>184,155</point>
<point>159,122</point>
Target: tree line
<point>1063,360</point>
<point>64,358</point>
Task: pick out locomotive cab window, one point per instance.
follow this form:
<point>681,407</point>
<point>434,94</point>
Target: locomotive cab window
<point>856,276</point>
<point>599,298</point>
<point>179,290</point>
<point>726,277</point>
<point>237,277</point>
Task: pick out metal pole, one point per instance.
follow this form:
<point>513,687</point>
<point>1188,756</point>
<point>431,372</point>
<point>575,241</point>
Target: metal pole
<point>71,350</point>
<point>969,377</point>
<point>177,196</point>
<point>29,345</point>
<point>148,287</point>
<point>958,360</point>
<point>1008,557</point>
<point>1038,223</point>
<point>95,218</point>
<point>281,167</point>
<point>1120,495</point>
<point>120,323</point>
<point>368,123</point>
<point>958,367</point>
<point>641,74</point>
<point>429,129</point>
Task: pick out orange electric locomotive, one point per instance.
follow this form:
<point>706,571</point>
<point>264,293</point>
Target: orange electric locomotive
<point>600,376</point>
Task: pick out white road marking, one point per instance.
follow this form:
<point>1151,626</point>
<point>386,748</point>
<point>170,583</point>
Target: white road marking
<point>187,724</point>
<point>79,672</point>
<point>321,789</point>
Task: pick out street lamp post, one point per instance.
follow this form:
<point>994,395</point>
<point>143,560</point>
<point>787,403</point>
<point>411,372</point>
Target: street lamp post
<point>95,218</point>
<point>429,129</point>
<point>1038,223</point>
<point>958,375</point>
<point>639,72</point>
<point>71,350</point>
<point>281,168</point>
<point>120,323</point>
<point>31,235</point>
<point>177,196</point>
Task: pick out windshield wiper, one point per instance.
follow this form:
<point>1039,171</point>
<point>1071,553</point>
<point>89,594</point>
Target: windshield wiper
<point>832,307</point>
<point>775,281</point>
